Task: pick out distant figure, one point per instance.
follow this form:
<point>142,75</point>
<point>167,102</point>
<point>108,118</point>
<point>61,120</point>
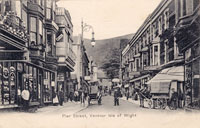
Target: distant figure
<point>61,97</point>
<point>127,95</point>
<point>82,98</point>
<point>116,97</point>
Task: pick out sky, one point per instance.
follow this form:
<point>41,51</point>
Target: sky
<point>109,18</point>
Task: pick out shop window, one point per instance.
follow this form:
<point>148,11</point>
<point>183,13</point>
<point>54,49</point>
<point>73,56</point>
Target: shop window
<point>33,34</point>
<point>8,83</point>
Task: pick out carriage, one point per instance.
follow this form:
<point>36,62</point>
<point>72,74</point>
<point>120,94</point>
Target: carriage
<point>94,92</point>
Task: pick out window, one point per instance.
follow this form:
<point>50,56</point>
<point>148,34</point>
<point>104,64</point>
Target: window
<point>18,8</point>
<point>40,31</point>
<point>48,9</point>
<point>49,43</point>
<point>48,13</point>
<point>183,7</point>
<point>155,55</point>
<point>40,2</point>
<point>24,18</point>
<point>33,34</point>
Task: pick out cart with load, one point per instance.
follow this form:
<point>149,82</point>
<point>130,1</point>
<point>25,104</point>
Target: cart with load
<point>164,93</point>
<point>94,93</point>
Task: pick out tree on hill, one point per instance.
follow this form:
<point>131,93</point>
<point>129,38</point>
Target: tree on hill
<point>111,63</point>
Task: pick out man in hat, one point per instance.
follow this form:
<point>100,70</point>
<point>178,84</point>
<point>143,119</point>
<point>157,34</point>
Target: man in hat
<point>116,97</point>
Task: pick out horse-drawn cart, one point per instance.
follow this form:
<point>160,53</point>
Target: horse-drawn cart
<point>94,93</point>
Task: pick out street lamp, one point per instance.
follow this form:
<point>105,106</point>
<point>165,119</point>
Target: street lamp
<point>86,27</point>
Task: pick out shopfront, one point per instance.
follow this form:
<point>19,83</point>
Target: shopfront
<point>15,76</point>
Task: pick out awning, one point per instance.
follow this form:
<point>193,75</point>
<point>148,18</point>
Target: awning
<point>169,74</point>
<point>160,86</point>
<point>139,78</point>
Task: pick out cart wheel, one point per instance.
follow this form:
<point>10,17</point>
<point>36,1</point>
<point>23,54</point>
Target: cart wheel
<point>164,104</point>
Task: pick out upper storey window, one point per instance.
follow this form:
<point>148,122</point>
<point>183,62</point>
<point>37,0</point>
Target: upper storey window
<point>33,34</point>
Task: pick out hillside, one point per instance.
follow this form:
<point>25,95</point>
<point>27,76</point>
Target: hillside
<point>103,47</point>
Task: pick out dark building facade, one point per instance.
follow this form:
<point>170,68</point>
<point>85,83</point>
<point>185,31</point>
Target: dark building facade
<point>28,51</point>
<point>188,39</point>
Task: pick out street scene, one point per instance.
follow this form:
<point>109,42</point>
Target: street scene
<point>69,61</point>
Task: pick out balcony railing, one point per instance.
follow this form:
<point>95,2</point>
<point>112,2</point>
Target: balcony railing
<point>13,25</point>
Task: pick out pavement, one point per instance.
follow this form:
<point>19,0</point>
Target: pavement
<point>71,107</point>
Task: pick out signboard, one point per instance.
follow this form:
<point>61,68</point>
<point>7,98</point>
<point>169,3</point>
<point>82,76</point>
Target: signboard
<point>59,37</point>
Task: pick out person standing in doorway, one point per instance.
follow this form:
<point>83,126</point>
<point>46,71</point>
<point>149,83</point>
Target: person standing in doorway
<point>61,97</point>
<point>25,98</point>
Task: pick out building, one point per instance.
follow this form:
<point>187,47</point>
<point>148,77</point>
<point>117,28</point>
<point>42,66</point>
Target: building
<point>28,51</point>
<point>122,73</point>
<point>153,48</point>
<point>187,34</point>
<point>64,52</point>
<point>82,64</point>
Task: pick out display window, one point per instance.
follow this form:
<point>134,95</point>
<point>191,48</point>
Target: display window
<point>47,87</point>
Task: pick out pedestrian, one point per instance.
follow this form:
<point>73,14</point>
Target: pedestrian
<point>61,97</point>
<point>82,98</point>
<point>142,96</point>
<point>116,97</point>
<point>99,95</point>
<point>25,98</point>
<point>127,95</point>
<point>19,97</point>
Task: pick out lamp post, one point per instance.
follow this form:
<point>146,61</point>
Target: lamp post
<point>85,27</point>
